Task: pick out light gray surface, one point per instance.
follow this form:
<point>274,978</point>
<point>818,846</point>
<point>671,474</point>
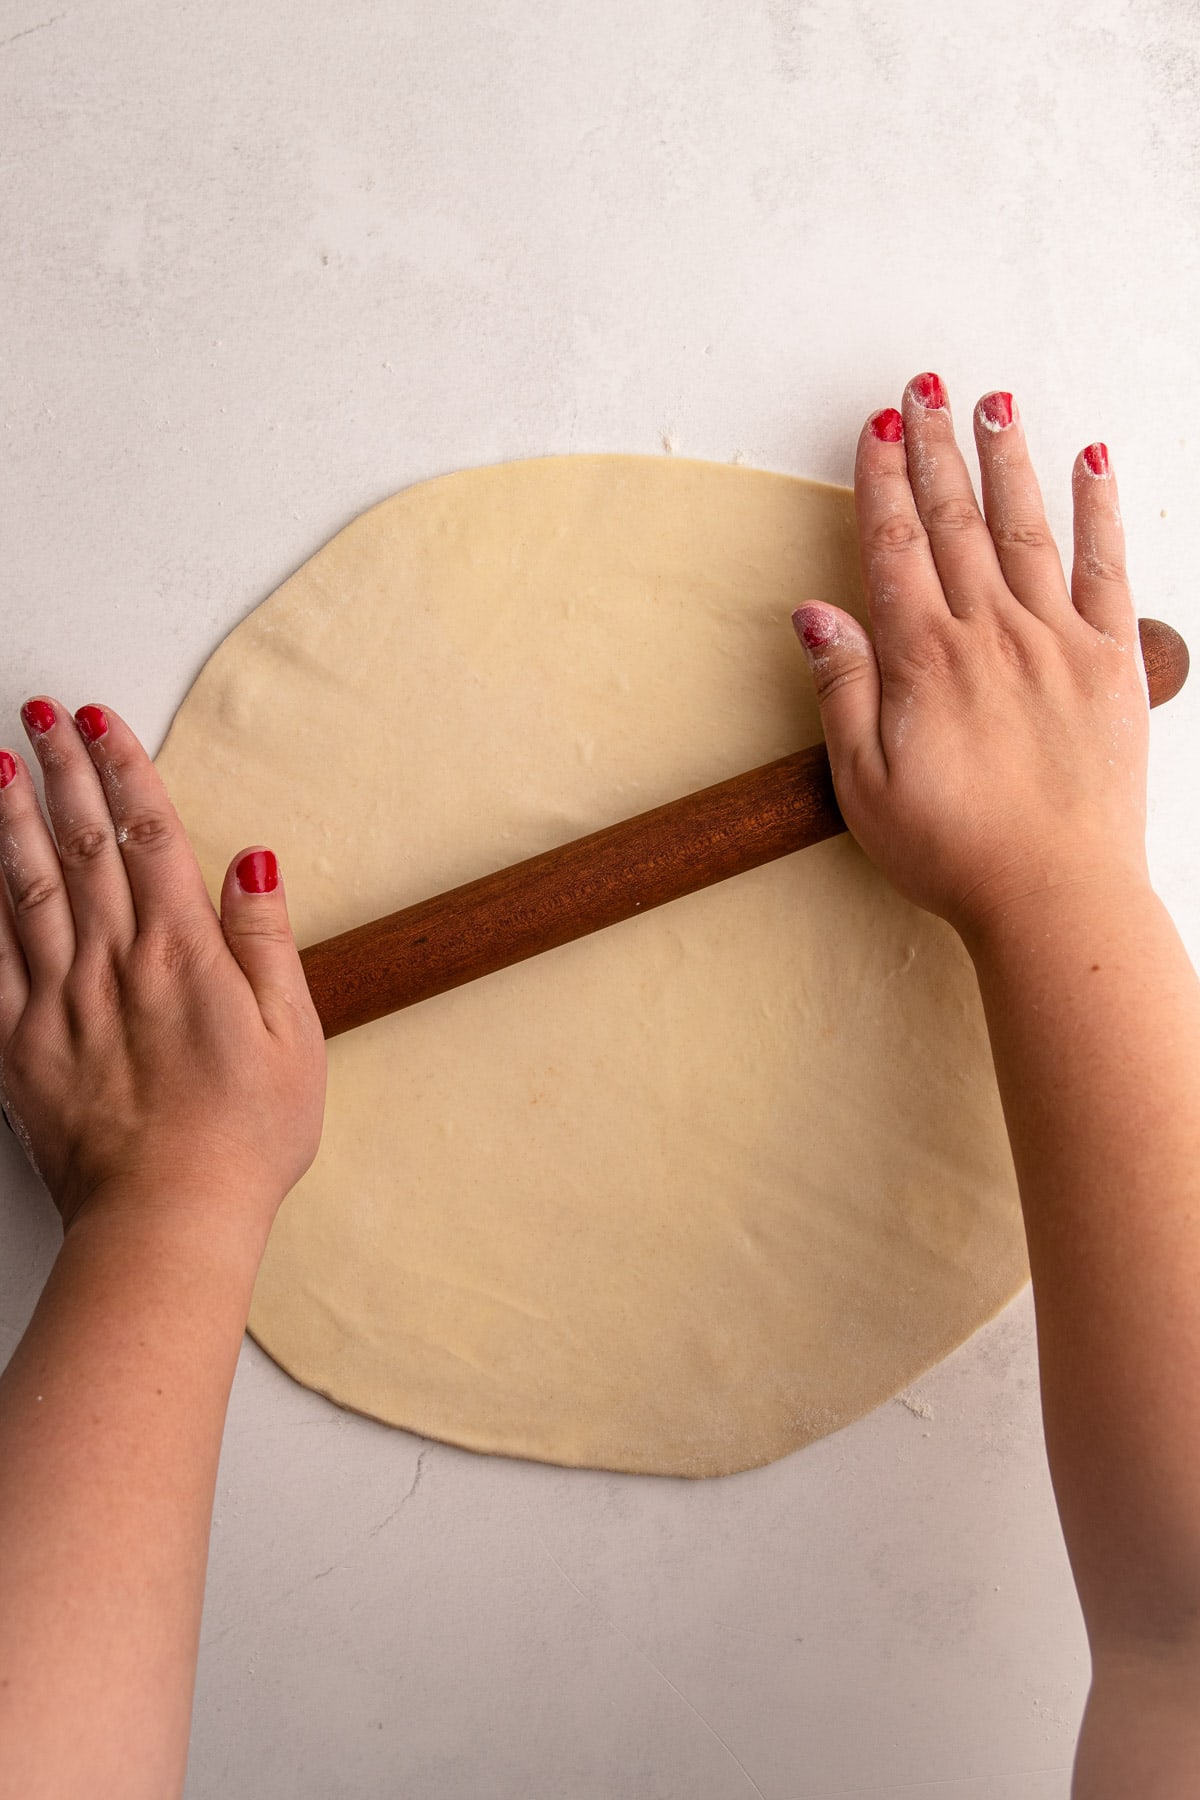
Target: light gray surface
<point>265,264</point>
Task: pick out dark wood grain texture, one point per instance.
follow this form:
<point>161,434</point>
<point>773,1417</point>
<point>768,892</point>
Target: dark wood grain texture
<point>610,875</point>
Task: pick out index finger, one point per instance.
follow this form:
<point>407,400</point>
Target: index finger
<point>904,595</point>
<point>164,876</point>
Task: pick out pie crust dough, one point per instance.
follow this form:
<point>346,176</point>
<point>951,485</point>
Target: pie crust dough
<point>686,1194</point>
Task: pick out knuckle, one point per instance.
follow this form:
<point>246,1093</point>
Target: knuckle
<point>995,653</point>
<point>933,657</point>
<point>82,844</point>
<point>35,892</point>
<point>171,952</point>
<point>1017,653</point>
<point>897,532</point>
<point>1106,569</point>
<point>148,831</point>
<point>954,513</point>
<point>831,679</point>
<point>1018,537</point>
<point>269,928</point>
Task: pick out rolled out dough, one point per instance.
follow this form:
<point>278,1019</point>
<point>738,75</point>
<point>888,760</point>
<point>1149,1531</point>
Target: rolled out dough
<point>686,1194</point>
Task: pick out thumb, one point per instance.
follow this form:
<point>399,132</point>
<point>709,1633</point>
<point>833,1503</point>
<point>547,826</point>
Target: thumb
<point>846,676</point>
<point>254,919</point>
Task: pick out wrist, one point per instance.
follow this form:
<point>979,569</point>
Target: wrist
<point>1081,909</point>
<point>218,1222</point>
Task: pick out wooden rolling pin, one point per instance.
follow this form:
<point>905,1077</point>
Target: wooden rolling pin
<point>608,876</point>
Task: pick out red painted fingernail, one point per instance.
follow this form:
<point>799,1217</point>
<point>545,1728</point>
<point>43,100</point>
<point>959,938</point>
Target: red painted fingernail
<point>8,768</point>
<point>888,426</point>
<point>929,391</point>
<point>1096,459</point>
<point>38,716</point>
<point>258,872</point>
<point>996,411</point>
<point>815,627</point>
<point>92,723</point>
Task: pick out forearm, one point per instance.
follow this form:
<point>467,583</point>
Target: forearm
<point>111,1414</point>
<point>1094,1016</point>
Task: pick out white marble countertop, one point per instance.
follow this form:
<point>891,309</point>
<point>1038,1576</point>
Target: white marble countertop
<point>265,264</point>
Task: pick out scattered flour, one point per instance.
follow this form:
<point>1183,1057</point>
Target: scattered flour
<point>920,1409</point>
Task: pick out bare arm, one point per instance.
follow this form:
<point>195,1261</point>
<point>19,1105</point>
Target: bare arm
<point>111,1415</point>
<point>1095,1024</point>
<point>989,753</point>
<point>165,1070</point>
